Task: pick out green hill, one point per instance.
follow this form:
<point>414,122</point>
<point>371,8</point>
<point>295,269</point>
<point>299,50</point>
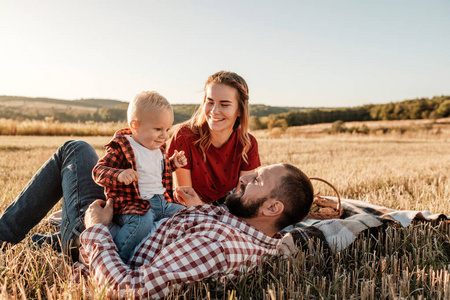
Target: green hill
<point>261,110</point>
<point>263,116</point>
<point>98,109</point>
<point>81,102</point>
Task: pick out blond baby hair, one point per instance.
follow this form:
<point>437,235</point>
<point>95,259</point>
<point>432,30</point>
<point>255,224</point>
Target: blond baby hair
<point>146,103</point>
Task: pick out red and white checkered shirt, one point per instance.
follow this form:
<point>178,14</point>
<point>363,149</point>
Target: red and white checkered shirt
<point>196,243</point>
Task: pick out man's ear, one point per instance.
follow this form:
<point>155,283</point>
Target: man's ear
<point>134,126</point>
<point>272,208</point>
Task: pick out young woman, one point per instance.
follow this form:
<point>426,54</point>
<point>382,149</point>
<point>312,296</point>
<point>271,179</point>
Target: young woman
<point>216,141</point>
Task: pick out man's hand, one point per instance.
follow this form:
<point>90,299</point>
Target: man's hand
<point>187,196</point>
<point>128,176</point>
<point>99,212</point>
<point>179,159</point>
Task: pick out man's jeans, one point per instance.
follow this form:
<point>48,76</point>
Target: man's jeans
<point>135,227</point>
<point>67,174</point>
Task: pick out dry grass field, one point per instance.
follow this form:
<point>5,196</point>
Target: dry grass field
<point>398,171</point>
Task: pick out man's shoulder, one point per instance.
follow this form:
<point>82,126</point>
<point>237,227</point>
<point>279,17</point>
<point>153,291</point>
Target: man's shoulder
<point>215,222</point>
<point>209,215</point>
<point>201,221</point>
<point>204,211</point>
<point>220,226</point>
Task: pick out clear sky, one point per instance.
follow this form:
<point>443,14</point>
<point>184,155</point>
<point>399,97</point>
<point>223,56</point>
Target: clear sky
<point>292,53</point>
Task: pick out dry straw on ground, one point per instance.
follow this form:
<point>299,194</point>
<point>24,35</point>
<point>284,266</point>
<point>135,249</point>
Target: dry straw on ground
<point>398,171</point>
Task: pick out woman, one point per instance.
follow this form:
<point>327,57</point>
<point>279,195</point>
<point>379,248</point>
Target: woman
<point>216,141</point>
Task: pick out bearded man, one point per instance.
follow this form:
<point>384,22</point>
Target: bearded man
<point>201,241</point>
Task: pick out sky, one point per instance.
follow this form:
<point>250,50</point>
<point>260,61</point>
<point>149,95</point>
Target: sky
<point>291,53</point>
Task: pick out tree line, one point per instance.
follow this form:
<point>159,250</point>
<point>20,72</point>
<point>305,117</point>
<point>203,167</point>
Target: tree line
<point>262,116</point>
<point>423,108</point>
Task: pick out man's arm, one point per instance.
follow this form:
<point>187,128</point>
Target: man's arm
<point>187,259</point>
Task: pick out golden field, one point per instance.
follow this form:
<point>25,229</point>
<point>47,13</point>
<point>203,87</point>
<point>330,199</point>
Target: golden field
<point>401,171</point>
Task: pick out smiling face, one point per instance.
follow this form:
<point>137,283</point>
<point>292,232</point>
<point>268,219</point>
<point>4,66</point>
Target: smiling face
<point>152,130</point>
<point>221,107</point>
<point>255,189</point>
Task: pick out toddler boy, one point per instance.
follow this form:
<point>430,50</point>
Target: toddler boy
<point>137,174</point>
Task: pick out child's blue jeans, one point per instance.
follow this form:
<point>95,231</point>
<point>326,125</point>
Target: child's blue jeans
<point>136,227</point>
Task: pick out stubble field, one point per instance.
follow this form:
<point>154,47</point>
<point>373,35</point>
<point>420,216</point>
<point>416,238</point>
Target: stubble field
<point>401,172</point>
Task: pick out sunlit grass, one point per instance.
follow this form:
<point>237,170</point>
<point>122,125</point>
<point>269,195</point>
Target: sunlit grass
<point>400,172</point>
<point>55,128</point>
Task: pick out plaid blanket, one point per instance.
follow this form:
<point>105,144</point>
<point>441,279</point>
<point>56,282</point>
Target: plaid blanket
<point>338,234</point>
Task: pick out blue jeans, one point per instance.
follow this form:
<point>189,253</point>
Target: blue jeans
<point>67,174</point>
<point>136,227</point>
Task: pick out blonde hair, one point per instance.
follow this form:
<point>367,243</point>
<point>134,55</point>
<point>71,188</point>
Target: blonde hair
<point>199,125</point>
<point>146,103</point>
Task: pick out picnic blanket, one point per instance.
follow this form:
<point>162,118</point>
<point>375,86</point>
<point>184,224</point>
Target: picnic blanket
<point>358,216</point>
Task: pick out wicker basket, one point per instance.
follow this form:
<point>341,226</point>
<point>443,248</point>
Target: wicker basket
<point>323,207</point>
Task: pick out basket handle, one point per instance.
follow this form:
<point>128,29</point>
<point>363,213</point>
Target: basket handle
<point>334,189</point>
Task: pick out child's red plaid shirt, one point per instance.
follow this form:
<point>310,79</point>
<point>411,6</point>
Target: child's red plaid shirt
<point>120,156</point>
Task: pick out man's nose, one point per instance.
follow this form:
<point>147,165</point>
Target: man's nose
<point>244,179</point>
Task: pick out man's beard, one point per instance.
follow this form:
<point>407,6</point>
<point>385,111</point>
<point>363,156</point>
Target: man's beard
<point>236,206</point>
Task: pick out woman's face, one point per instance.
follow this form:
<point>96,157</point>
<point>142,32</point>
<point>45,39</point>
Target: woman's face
<point>221,107</point>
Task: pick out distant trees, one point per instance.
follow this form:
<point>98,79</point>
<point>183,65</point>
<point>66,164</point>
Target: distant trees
<point>444,109</point>
<point>262,116</point>
<point>97,110</point>
<point>255,123</point>
<point>437,107</point>
<point>411,109</point>
<point>111,114</point>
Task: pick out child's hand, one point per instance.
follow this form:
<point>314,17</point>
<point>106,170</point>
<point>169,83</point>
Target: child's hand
<point>179,159</point>
<point>128,176</point>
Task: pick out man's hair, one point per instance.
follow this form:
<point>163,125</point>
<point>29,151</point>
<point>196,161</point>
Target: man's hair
<point>146,103</point>
<point>296,192</point>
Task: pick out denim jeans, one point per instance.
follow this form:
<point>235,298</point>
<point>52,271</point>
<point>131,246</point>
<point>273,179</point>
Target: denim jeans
<point>136,227</point>
<point>67,174</point>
